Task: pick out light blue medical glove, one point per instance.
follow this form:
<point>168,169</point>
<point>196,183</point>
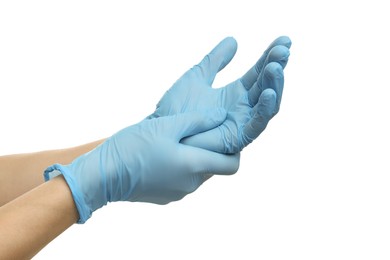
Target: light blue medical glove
<point>251,101</point>
<point>146,162</point>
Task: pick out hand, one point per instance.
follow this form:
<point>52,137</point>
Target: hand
<point>251,101</point>
<point>146,162</point>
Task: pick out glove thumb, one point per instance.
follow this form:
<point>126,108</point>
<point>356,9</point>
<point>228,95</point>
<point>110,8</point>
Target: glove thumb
<point>217,59</point>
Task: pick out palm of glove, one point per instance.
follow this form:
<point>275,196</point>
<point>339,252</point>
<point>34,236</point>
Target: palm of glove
<point>195,94</point>
<point>250,101</point>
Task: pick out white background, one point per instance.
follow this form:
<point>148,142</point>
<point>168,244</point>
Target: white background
<point>315,185</point>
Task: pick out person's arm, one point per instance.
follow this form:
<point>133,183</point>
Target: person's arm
<point>144,162</point>
<point>22,172</point>
<point>31,221</point>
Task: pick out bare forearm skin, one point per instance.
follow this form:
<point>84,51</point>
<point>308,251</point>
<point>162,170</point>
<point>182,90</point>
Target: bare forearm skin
<point>20,173</point>
<point>31,221</point>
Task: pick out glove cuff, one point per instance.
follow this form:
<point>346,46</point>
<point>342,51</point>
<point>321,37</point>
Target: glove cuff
<point>84,211</point>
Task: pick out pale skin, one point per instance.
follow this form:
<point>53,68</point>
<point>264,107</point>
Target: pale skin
<point>50,209</point>
<point>20,173</point>
<point>49,206</point>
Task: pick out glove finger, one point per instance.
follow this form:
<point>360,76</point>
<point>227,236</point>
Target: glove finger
<point>217,59</point>
<point>263,112</point>
<point>278,54</point>
<point>208,163</point>
<point>188,124</point>
<point>274,79</point>
<point>253,73</point>
<point>210,140</point>
<point>202,165</point>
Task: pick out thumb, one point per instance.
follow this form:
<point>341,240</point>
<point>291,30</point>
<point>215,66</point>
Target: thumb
<point>192,123</point>
<point>217,59</point>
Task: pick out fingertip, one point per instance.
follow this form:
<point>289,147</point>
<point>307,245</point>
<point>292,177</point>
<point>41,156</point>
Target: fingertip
<point>228,50</point>
<point>273,70</point>
<point>283,40</point>
<point>279,54</point>
<point>228,45</point>
<point>220,56</point>
<point>268,98</point>
<point>231,40</point>
<point>222,164</point>
<point>268,94</point>
<point>235,164</point>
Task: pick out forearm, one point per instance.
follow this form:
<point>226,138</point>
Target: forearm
<point>31,221</point>
<point>22,172</point>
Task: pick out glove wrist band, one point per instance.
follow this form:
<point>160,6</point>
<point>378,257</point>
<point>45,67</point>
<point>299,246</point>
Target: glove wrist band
<point>84,211</point>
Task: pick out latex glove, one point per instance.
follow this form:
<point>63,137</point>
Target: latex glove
<point>251,101</point>
<point>145,162</point>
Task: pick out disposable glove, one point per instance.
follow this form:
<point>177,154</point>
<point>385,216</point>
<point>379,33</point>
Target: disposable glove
<point>251,101</point>
<point>146,162</point>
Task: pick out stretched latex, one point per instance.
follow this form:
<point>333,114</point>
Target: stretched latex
<point>251,100</point>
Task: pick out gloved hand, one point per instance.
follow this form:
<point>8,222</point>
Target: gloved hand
<point>146,162</point>
<point>251,101</point>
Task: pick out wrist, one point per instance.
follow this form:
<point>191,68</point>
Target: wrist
<point>84,211</point>
<point>88,178</point>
